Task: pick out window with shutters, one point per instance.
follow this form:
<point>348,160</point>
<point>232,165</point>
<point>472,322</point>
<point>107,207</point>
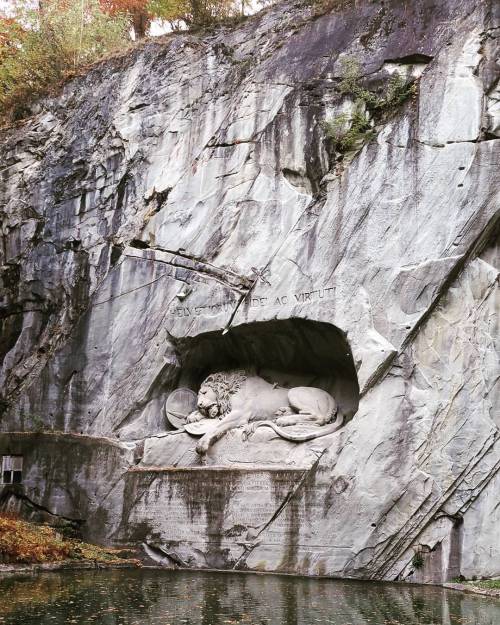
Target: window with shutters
<point>12,469</point>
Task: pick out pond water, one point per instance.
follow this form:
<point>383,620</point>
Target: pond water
<point>144,597</point>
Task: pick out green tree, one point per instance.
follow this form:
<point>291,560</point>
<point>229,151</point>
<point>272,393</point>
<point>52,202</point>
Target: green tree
<point>40,47</point>
<point>193,12</point>
<point>178,13</point>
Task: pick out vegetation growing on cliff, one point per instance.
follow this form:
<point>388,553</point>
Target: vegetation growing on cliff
<point>349,131</point>
<point>417,560</point>
<point>23,542</point>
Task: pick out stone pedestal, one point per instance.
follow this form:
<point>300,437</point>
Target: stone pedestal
<point>219,517</point>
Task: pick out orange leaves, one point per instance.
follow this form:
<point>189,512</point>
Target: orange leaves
<point>137,10</point>
<point>10,33</point>
<point>25,542</point>
<point>123,6</point>
<point>58,40</point>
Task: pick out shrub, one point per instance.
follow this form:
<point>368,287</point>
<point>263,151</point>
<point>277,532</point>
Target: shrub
<point>39,48</point>
<point>320,7</point>
<point>178,13</point>
<point>397,89</point>
<point>417,560</point>
<point>348,132</point>
<point>39,424</point>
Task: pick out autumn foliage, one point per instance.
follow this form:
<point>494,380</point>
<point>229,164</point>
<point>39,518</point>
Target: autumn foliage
<point>10,31</point>
<point>190,13</point>
<point>23,542</point>
<point>138,11</point>
<point>41,47</point>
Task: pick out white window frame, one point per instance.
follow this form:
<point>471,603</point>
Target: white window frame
<point>12,464</point>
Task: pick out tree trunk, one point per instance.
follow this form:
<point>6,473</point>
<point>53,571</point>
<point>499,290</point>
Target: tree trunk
<point>141,22</point>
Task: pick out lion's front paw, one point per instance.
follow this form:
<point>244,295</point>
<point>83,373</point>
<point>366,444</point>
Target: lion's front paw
<point>194,417</point>
<point>202,447</point>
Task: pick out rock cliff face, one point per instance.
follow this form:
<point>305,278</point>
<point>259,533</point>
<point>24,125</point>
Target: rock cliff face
<point>190,188</point>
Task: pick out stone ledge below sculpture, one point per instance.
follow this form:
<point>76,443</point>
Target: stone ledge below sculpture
<point>221,517</point>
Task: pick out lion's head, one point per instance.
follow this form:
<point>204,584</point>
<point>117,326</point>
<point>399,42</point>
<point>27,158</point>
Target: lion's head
<point>214,396</point>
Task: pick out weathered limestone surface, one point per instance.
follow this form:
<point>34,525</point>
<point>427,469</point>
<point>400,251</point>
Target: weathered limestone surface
<point>189,187</point>
<point>68,479</point>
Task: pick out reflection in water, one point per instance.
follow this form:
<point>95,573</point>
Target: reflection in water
<point>151,597</point>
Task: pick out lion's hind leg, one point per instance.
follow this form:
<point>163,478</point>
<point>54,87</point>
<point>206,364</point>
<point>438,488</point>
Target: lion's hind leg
<point>291,419</point>
<point>312,404</point>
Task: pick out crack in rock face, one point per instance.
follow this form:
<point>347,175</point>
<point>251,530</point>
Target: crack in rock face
<point>156,232</point>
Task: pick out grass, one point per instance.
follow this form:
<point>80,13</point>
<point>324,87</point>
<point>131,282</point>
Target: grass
<point>22,542</point>
<point>489,584</point>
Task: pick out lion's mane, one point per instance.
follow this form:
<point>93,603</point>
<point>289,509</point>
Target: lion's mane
<point>225,384</point>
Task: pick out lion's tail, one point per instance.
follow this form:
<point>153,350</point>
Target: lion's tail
<point>306,436</point>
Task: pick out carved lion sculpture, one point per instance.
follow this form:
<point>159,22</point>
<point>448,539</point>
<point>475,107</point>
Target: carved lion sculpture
<point>238,399</point>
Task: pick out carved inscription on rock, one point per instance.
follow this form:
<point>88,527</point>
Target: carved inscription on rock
<point>212,309</point>
<point>225,507</point>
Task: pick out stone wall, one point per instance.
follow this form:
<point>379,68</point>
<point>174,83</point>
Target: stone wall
<point>68,479</point>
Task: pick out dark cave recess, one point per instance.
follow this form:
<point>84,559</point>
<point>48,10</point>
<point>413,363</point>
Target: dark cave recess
<point>291,352</point>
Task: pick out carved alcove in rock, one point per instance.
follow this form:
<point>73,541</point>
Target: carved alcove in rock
<point>291,352</point>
